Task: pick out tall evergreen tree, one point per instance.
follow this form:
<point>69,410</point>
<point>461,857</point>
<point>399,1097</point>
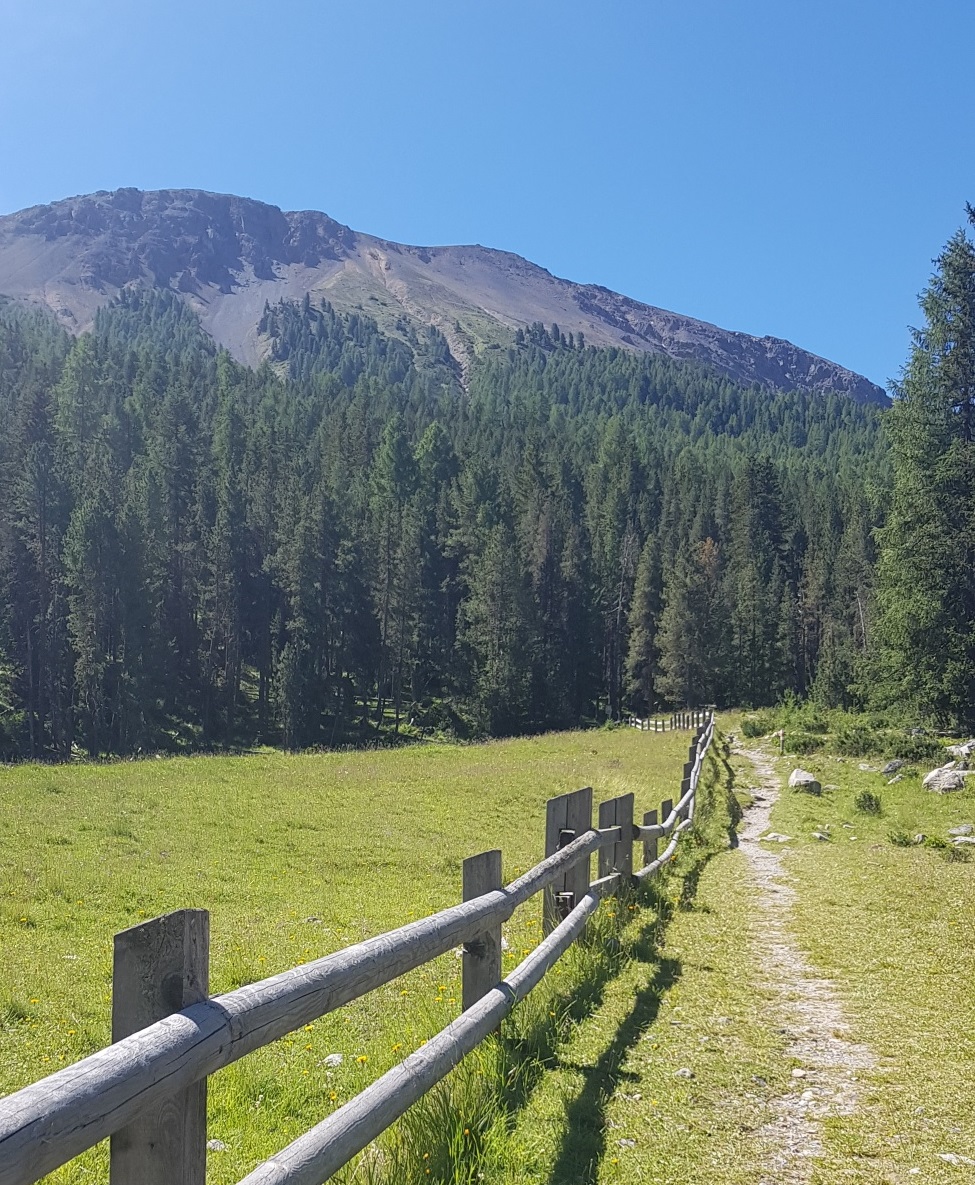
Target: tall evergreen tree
<point>926,577</point>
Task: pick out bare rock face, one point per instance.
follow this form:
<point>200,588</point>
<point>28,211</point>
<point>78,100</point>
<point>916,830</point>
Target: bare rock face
<point>805,782</point>
<point>228,255</point>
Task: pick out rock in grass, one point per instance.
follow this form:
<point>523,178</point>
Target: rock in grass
<point>893,766</point>
<point>962,751</point>
<point>961,841</point>
<point>216,1146</point>
<point>684,1073</point>
<point>945,779</point>
<point>803,781</point>
<point>962,829</point>
<point>819,835</point>
<point>775,837</point>
<point>895,779</point>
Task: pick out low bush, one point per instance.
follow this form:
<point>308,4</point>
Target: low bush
<point>867,803</point>
<point>803,742</point>
<point>856,740</point>
<point>913,748</point>
<point>758,724</point>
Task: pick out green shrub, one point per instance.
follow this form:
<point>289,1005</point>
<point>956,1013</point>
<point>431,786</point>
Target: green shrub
<point>913,748</point>
<point>900,839</point>
<point>802,742</point>
<point>758,724</point>
<point>854,740</point>
<point>867,803</point>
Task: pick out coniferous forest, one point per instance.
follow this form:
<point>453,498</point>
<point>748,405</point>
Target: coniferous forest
<point>356,541</point>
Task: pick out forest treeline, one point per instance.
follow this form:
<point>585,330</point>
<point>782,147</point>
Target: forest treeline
<point>347,540</point>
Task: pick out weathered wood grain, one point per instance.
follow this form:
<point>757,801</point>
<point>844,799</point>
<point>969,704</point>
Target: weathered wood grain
<point>567,812</point>
<point>650,841</point>
<point>482,952</point>
<point>617,812</point>
<point>161,967</point>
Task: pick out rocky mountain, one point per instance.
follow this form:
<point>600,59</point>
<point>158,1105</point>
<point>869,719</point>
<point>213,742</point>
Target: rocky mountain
<point>227,256</point>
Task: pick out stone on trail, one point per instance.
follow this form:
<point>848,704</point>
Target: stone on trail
<point>803,781</point>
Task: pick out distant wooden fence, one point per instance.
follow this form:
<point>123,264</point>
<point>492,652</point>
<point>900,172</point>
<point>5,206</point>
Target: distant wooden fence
<point>148,1090</point>
<point>691,718</point>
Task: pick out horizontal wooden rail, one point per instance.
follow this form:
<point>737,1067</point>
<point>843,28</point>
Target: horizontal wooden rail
<point>322,1151</point>
<point>47,1124</point>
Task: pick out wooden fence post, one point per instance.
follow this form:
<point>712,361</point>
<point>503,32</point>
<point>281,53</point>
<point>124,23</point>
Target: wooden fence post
<point>685,785</point>
<point>569,812</point>
<point>482,954</point>
<point>161,967</point>
<point>649,845</point>
<point>617,812</point>
<point>665,808</point>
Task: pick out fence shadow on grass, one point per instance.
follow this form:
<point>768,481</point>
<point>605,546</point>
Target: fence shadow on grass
<point>583,1143</point>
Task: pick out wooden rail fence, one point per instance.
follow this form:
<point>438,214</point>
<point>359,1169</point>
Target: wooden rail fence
<point>691,718</point>
<point>147,1091</point>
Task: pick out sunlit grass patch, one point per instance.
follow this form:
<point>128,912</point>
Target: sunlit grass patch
<point>295,856</point>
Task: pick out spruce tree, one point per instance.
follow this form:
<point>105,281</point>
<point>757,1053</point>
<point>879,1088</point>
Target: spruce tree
<point>926,576</point>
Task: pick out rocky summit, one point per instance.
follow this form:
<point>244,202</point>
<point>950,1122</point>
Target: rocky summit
<point>227,256</point>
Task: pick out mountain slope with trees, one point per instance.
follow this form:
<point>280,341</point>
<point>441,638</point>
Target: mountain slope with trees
<point>228,256</point>
<point>346,540</point>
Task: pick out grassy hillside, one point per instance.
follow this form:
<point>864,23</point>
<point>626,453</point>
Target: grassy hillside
<point>295,856</point>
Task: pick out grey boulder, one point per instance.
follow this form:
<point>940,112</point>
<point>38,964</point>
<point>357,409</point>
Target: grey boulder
<point>945,779</point>
<point>803,781</point>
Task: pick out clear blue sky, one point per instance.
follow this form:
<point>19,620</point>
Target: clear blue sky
<point>783,167</point>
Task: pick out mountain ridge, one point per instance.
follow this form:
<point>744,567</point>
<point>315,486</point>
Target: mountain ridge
<point>227,256</point>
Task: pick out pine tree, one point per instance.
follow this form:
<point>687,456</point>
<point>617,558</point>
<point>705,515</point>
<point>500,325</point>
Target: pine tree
<point>926,576</point>
<point>642,658</point>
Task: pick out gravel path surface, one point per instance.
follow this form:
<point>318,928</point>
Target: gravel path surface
<point>810,1014</point>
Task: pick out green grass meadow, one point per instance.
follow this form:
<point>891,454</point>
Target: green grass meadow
<point>295,856</point>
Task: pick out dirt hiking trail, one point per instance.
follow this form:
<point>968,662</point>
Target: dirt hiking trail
<point>811,1015</point>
